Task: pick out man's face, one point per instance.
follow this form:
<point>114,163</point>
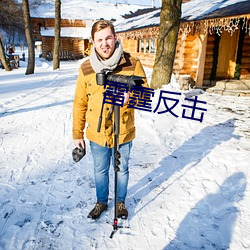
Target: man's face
<point>104,42</point>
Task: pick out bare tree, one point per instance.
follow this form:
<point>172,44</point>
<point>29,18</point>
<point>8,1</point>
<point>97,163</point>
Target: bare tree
<point>36,3</point>
<point>28,33</point>
<point>168,34</point>
<point>56,59</point>
<point>11,16</point>
<point>11,24</point>
<point>3,57</point>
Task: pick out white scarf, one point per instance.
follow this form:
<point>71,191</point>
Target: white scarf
<point>98,64</point>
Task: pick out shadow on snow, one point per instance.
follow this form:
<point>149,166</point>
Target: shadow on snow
<point>189,155</point>
<point>210,223</point>
<point>23,110</point>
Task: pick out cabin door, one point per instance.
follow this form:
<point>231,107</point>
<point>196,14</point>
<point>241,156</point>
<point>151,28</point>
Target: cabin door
<point>227,55</point>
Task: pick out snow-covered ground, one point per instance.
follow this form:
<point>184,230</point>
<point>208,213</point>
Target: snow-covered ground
<point>189,180</point>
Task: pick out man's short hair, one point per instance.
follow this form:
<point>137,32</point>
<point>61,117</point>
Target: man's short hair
<point>101,24</point>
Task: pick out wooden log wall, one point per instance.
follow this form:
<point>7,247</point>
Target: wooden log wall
<point>178,61</point>
<point>185,59</point>
<point>79,46</point>
<point>190,56</point>
<point>66,44</point>
<point>131,46</point>
<point>47,45</point>
<point>146,59</point>
<point>186,55</point>
<point>50,22</point>
<point>73,45</point>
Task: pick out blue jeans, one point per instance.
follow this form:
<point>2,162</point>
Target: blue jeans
<point>102,158</point>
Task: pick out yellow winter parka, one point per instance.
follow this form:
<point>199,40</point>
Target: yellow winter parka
<point>88,102</point>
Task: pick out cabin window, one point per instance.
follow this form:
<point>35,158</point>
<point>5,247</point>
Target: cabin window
<point>146,45</point>
<point>138,45</point>
<point>152,45</point>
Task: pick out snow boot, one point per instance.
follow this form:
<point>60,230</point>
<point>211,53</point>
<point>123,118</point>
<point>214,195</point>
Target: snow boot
<point>97,210</point>
<point>122,211</point>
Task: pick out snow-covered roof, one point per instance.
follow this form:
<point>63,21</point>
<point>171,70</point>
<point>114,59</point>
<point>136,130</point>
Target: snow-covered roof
<point>205,9</point>
<point>191,11</point>
<point>145,20</point>
<point>85,10</point>
<point>79,32</point>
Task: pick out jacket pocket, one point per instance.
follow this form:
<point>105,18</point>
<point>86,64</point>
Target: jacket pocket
<point>127,120</point>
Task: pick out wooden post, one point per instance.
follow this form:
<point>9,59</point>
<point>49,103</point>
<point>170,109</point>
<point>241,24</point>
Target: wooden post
<point>201,60</point>
<point>149,45</point>
<point>140,40</point>
<point>144,45</point>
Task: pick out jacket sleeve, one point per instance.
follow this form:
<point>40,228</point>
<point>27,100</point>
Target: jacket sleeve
<point>80,106</point>
<point>139,71</point>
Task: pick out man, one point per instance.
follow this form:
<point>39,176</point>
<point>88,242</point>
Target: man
<point>107,54</point>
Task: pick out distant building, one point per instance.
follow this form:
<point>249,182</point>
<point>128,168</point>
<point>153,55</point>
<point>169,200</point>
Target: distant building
<point>74,36</point>
<point>77,19</point>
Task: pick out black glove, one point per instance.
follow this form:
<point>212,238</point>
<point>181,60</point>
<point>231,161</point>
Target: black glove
<point>78,153</point>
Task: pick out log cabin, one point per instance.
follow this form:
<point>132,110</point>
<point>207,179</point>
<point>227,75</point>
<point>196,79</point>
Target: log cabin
<point>74,37</point>
<point>213,41</point>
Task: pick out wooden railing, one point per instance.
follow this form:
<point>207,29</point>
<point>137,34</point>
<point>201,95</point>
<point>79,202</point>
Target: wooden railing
<point>63,55</point>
